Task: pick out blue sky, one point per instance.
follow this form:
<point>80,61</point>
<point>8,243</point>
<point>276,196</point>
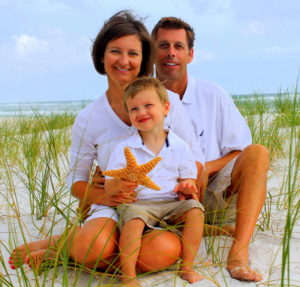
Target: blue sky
<point>245,46</point>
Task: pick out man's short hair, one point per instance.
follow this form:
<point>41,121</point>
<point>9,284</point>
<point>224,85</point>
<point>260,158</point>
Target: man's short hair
<point>175,23</point>
<point>144,83</point>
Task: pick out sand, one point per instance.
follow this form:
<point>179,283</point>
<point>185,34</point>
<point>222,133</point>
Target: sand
<point>265,249</point>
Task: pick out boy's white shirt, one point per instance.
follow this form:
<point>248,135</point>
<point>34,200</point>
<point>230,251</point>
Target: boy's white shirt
<point>97,130</point>
<point>177,162</point>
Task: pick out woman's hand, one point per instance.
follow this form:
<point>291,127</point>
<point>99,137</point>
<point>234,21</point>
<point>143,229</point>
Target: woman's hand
<point>186,189</point>
<point>94,192</point>
<point>115,186</point>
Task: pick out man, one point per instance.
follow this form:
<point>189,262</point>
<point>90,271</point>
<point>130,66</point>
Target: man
<point>236,168</point>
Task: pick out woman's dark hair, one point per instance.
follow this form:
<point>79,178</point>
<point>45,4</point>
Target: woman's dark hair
<point>122,24</point>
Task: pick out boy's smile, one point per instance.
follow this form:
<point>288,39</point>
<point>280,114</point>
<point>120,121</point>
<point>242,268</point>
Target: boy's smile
<point>146,111</point>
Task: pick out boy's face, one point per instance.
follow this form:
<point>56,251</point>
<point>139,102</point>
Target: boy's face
<point>146,111</point>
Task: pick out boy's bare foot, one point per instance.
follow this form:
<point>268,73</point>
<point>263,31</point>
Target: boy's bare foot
<point>242,271</point>
<point>19,254</point>
<point>190,275</point>
<point>36,258</point>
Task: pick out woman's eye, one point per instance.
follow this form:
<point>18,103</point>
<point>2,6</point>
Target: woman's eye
<point>115,51</point>
<point>133,53</point>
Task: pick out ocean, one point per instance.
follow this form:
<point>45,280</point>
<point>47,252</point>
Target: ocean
<point>42,108</point>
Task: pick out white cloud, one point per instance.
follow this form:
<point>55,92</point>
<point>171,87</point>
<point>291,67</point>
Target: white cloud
<point>205,55</point>
<point>55,52</point>
<point>280,50</point>
<point>26,45</point>
<point>254,28</point>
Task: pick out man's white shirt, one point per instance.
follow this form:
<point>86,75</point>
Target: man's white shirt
<point>217,122</point>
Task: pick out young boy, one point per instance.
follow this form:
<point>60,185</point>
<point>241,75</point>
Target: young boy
<point>146,101</point>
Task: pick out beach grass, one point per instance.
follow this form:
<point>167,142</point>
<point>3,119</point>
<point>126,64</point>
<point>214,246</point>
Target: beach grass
<point>34,165</point>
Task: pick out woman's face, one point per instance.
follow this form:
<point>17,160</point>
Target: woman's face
<point>122,59</point>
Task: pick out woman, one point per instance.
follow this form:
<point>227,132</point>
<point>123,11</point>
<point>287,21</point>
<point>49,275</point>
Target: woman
<point>122,51</point>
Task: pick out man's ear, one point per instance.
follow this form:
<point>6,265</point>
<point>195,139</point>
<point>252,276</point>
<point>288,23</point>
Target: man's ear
<point>191,55</point>
<point>167,108</point>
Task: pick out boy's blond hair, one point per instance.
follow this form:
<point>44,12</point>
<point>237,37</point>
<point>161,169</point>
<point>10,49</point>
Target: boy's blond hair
<point>143,83</point>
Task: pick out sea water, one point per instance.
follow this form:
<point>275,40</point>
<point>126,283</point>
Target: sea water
<point>41,108</point>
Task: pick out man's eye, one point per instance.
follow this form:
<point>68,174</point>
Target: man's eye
<point>163,45</point>
<point>179,46</point>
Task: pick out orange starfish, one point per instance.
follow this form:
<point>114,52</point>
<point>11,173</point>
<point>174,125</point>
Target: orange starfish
<point>134,172</point>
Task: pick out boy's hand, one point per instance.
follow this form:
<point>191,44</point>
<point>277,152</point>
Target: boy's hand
<point>186,189</point>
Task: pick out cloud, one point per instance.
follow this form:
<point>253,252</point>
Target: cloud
<point>280,50</point>
<point>26,45</point>
<point>254,28</point>
<point>31,55</point>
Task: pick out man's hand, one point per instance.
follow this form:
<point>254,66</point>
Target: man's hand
<point>186,189</point>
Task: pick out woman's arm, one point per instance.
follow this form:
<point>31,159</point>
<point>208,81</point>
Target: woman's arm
<point>95,193</point>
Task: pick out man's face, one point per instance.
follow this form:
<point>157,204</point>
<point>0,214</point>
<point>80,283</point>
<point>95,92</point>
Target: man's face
<point>172,54</point>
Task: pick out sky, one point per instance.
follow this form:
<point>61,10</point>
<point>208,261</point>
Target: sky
<point>245,46</point>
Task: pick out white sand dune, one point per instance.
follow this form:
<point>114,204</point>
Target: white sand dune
<point>265,250</point>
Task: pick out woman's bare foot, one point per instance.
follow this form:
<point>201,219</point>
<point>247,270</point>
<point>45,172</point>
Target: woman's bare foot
<point>36,258</point>
<point>190,275</point>
<point>19,254</point>
<point>241,271</point>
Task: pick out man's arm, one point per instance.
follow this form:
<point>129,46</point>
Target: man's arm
<point>214,166</point>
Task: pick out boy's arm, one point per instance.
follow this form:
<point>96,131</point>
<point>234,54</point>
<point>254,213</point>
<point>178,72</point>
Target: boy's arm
<point>186,188</point>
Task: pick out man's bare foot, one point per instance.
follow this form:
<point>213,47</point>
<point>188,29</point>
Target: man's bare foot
<point>36,258</point>
<point>242,271</point>
<point>19,254</point>
<point>190,275</point>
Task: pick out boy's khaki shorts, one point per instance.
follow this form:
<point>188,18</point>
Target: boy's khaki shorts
<point>219,211</point>
<point>155,212</point>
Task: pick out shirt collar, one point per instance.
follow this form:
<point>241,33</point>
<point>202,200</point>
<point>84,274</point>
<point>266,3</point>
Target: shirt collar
<point>135,140</point>
<point>189,92</point>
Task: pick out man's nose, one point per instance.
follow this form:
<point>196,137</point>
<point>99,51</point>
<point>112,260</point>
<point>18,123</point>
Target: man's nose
<point>171,51</point>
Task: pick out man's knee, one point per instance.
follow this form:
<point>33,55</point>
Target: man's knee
<point>256,155</point>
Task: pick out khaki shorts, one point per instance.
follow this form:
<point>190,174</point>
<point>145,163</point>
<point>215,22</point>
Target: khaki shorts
<point>155,212</point>
<point>219,211</point>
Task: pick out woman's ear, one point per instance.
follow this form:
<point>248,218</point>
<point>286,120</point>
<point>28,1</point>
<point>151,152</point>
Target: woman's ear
<point>167,108</point>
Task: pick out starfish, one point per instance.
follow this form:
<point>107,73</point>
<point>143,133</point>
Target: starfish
<point>134,172</point>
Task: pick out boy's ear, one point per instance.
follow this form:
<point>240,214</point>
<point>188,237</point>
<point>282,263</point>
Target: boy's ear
<point>167,108</point>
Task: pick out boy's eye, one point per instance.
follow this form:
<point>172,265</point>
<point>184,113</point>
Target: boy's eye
<point>149,105</point>
<point>133,109</point>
